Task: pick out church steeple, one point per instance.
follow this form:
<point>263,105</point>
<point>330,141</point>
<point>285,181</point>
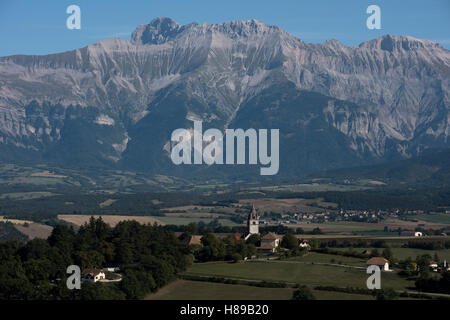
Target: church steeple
<point>253,221</point>
<point>253,213</point>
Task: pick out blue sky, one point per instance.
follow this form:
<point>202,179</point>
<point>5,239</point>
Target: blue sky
<point>39,27</point>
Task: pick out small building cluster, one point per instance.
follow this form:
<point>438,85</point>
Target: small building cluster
<point>96,275</point>
<point>438,267</point>
<point>380,262</point>
<point>93,275</point>
<point>270,242</point>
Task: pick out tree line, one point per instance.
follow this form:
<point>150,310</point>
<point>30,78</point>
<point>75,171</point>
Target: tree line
<point>148,256</point>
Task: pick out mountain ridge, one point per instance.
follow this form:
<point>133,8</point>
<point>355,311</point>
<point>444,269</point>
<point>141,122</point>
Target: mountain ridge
<point>396,90</point>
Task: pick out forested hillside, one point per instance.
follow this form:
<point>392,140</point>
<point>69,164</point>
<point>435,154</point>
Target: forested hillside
<point>148,257</point>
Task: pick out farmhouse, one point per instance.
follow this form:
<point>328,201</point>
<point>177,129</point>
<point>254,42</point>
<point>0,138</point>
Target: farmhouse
<point>409,233</point>
<point>304,244</point>
<point>379,261</point>
<point>269,243</point>
<point>434,266</point>
<point>93,275</point>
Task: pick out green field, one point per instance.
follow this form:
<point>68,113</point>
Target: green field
<point>199,290</point>
<point>328,258</point>
<point>25,195</point>
<point>186,221</point>
<point>342,226</point>
<point>313,187</point>
<point>298,272</point>
<point>404,253</point>
<point>437,218</point>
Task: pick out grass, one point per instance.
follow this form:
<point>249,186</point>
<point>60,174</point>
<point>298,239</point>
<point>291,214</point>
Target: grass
<point>112,220</point>
<point>437,218</point>
<point>403,253</point>
<point>35,230</point>
<point>211,186</point>
<point>39,180</point>
<point>199,290</point>
<point>25,195</point>
<point>289,204</point>
<point>295,272</point>
<point>341,227</point>
<point>306,187</point>
<point>186,221</point>
<point>350,227</point>
<point>326,258</point>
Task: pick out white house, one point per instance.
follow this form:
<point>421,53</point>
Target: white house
<point>93,275</point>
<point>434,266</point>
<point>409,233</point>
<point>304,244</point>
<point>379,261</point>
<point>269,242</point>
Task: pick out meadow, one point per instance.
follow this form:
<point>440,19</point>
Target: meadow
<point>289,204</point>
<point>35,230</point>
<point>186,220</point>
<point>292,271</point>
<point>404,253</point>
<point>315,257</point>
<point>112,220</point>
<point>199,290</point>
<point>436,218</point>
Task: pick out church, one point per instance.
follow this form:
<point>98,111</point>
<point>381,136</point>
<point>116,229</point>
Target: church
<point>269,242</point>
<point>252,223</point>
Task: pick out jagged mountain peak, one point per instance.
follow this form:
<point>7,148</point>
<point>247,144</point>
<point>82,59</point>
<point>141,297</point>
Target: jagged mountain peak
<point>393,92</point>
<point>333,43</point>
<point>158,31</point>
<point>162,30</point>
<point>393,43</point>
<point>244,27</point>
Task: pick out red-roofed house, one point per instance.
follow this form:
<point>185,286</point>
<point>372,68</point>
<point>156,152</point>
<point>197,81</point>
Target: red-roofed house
<point>269,243</point>
<point>379,261</point>
<point>93,275</point>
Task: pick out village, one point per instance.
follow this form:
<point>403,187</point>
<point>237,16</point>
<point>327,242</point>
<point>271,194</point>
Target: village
<point>270,244</point>
<point>370,216</point>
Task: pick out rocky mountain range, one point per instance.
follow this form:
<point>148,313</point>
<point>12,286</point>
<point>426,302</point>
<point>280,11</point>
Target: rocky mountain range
<point>115,103</point>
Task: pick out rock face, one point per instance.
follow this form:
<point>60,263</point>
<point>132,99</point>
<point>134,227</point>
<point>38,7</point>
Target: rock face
<point>115,102</point>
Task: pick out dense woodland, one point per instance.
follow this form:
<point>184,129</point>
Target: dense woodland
<point>148,256</point>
